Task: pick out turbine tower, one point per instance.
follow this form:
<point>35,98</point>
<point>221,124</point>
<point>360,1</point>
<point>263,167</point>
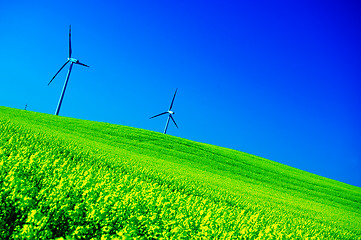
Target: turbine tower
<point>170,112</point>
<point>72,61</point>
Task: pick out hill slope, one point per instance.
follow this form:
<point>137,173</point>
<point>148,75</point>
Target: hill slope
<point>63,177</point>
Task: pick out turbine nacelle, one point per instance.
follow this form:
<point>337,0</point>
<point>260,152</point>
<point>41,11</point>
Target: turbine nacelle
<point>73,60</point>
<point>170,112</point>
<point>76,61</point>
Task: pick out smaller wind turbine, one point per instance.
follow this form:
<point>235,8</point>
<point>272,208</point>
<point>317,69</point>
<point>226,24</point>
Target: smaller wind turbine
<point>72,61</point>
<point>170,112</point>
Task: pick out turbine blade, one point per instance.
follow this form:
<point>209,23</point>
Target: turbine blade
<point>173,121</point>
<point>82,64</point>
<point>171,105</point>
<point>158,115</point>
<point>58,72</point>
<point>70,50</point>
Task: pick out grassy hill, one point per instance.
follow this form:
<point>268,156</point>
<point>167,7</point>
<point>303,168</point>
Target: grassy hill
<point>75,179</point>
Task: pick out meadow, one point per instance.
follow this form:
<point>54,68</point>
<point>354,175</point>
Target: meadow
<point>64,178</point>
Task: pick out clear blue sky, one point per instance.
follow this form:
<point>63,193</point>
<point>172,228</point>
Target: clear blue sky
<point>278,79</point>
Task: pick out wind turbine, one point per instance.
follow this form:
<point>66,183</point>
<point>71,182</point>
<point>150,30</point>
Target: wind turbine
<point>170,112</point>
<point>72,61</point>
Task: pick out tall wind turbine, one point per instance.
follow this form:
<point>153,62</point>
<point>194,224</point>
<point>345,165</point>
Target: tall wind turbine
<point>170,112</point>
<point>72,61</point>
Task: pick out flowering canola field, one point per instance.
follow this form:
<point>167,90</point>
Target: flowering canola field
<point>64,178</point>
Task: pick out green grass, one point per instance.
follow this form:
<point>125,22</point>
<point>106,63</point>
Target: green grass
<point>75,179</point>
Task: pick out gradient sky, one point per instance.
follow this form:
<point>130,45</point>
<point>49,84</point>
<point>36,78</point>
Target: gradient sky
<point>278,79</point>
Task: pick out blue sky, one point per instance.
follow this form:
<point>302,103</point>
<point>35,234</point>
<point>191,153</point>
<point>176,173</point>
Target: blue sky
<point>278,79</point>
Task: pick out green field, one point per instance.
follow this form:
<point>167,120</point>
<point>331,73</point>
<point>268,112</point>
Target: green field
<point>75,179</point>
